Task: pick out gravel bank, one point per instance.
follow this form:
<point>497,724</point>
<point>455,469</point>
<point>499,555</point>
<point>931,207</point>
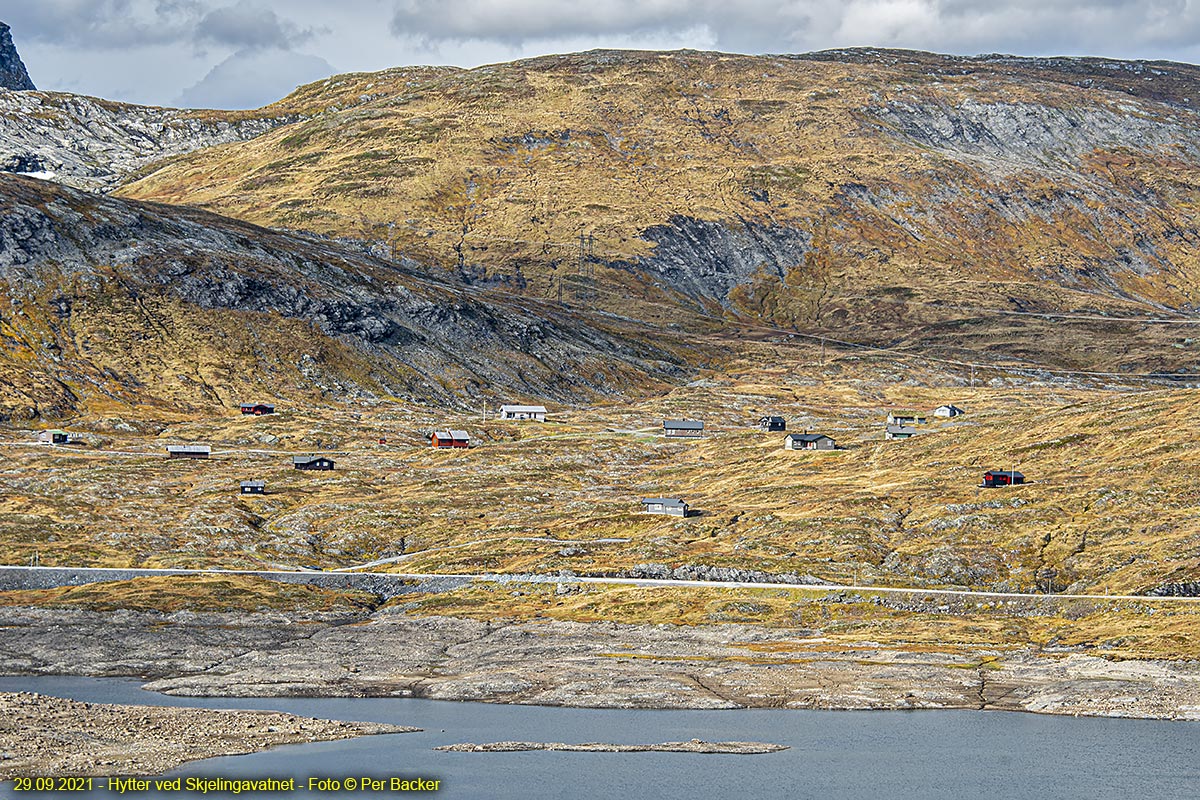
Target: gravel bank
<point>42,735</point>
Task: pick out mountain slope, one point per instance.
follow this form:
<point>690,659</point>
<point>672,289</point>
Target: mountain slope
<point>119,302</point>
<point>881,195</point>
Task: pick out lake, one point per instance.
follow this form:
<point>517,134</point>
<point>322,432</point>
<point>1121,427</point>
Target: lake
<point>835,755</point>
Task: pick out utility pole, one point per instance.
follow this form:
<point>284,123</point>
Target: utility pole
<point>972,376</point>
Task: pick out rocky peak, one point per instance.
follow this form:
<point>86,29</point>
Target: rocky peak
<point>12,69</point>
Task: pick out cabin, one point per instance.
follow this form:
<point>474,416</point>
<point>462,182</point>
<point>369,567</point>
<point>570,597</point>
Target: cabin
<point>905,418</point>
<point>188,451</point>
<point>901,432</point>
<point>769,424</point>
<point>536,413</point>
<point>257,409</point>
<point>665,505</point>
<point>948,411</point>
<point>54,437</point>
<point>254,487</point>
<point>683,428</point>
<point>808,441</point>
<point>312,462</point>
<point>1002,477</point>
<point>449,439</point>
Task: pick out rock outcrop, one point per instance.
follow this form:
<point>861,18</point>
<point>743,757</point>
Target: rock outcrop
<point>13,74</point>
<point>324,318</point>
<point>95,144</point>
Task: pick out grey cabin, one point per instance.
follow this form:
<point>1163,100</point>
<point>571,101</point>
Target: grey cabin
<point>772,424</point>
<point>188,451</point>
<point>901,432</point>
<point>905,418</point>
<point>536,413</point>
<point>948,411</point>
<point>254,487</point>
<point>808,441</point>
<point>312,462</point>
<point>665,505</point>
<point>684,428</point>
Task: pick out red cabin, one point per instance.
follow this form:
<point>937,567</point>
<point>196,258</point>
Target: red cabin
<point>257,409</point>
<point>1002,477</point>
<point>450,439</point>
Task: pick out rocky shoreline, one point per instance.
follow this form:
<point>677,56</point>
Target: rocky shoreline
<point>42,735</point>
<point>606,665</point>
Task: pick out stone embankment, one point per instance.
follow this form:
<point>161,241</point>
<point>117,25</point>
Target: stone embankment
<point>381,585</point>
<point>42,735</point>
<point>704,572</point>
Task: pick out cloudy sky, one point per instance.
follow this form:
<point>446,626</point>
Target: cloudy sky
<point>245,53</point>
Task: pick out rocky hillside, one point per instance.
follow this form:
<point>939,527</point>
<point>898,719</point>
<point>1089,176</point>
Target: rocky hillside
<point>118,302</point>
<point>12,69</point>
<point>884,196</point>
<point>97,144</point>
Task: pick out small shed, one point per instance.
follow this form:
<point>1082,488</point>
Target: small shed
<point>770,423</point>
<point>1002,477</point>
<point>665,505</point>
<point>54,437</point>
<point>312,462</point>
<point>254,487</point>
<point>188,451</point>
<point>536,413</point>
<point>257,409</point>
<point>450,439</point>
<point>901,432</point>
<point>808,441</point>
<point>905,418</point>
<point>948,411</point>
<point>683,428</point>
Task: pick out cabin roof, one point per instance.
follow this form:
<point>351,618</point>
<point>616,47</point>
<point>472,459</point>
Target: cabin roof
<point>251,484</point>
<point>684,424</point>
<point>1014,473</point>
<point>666,501</point>
<point>524,409</point>
<point>307,459</point>
<point>808,437</point>
<point>189,448</point>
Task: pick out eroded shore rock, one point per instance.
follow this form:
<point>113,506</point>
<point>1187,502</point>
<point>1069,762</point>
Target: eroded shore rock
<point>604,665</point>
<point>42,735</point>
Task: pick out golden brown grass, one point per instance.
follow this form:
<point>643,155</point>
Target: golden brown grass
<point>1108,507</point>
<point>1113,629</point>
<point>192,593</point>
<point>497,171</point>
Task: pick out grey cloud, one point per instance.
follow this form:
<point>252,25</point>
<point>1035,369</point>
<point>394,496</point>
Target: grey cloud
<point>121,24</point>
<point>1023,26</point>
<point>522,20</point>
<point>102,24</point>
<point>248,25</point>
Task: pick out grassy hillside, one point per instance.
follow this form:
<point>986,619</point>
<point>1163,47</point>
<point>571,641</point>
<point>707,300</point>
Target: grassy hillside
<point>165,312</point>
<point>875,194</point>
<point>1109,506</point>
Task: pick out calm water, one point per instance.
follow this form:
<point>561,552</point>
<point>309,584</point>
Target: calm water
<point>879,755</point>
